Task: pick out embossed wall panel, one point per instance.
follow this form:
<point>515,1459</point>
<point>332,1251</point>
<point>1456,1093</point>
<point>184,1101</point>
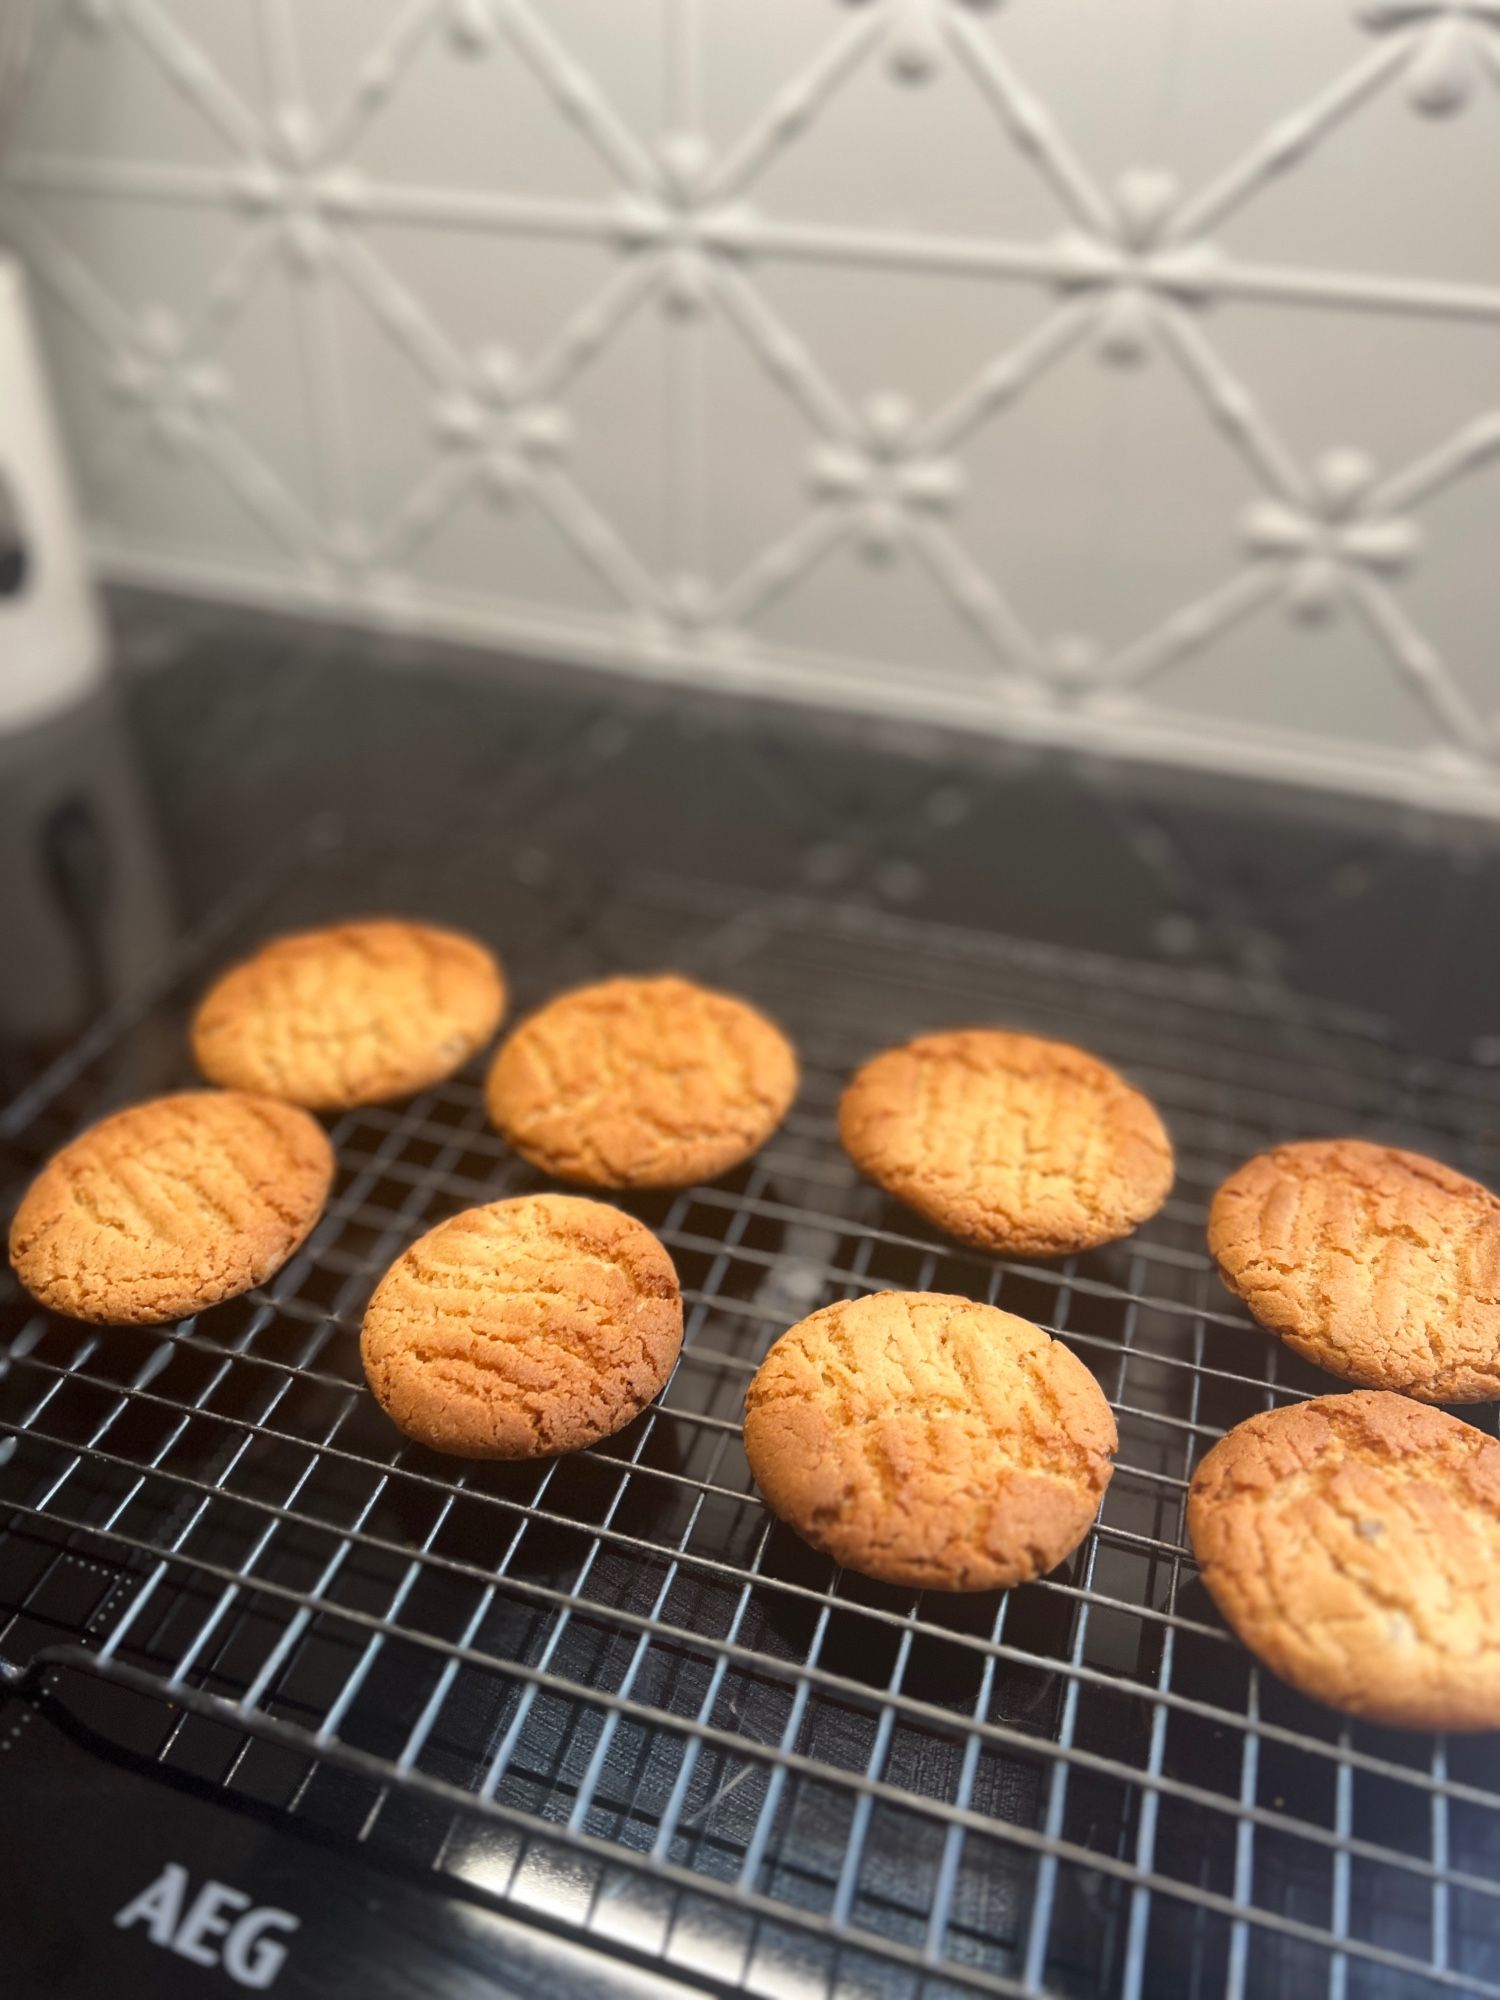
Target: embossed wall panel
<point>1119,374</point>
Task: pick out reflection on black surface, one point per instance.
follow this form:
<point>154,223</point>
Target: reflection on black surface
<point>14,563</point>
<point>409,1605</point>
<point>85,910</point>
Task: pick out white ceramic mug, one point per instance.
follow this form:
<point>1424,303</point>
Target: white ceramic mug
<point>51,636</point>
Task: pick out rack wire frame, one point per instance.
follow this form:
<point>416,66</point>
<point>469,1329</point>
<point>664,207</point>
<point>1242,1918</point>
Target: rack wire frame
<point>647,1713</point>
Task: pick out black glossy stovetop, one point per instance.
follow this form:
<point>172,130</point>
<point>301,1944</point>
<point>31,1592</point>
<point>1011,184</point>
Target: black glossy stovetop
<point>650,1693</point>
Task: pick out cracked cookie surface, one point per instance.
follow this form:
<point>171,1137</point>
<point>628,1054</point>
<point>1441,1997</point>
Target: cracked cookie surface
<point>1353,1544</point>
<point>929,1440</point>
<point>523,1329</point>
<point>1008,1141</point>
<point>171,1206</point>
<point>652,1082</point>
<point>1381,1266</point>
<point>358,1013</point>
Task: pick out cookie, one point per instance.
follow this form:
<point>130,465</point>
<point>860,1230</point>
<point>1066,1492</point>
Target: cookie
<point>522,1329</point>
<point>1353,1543</point>
<point>356,1014</point>
<point>1378,1265</point>
<point>1008,1142</point>
<point>930,1441</point>
<point>171,1206</point>
<point>641,1083</point>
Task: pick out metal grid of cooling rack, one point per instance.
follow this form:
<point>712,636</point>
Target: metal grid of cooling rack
<point>647,1713</point>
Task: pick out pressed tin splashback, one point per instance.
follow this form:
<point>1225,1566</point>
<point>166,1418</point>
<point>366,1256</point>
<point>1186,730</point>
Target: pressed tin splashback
<point>1126,375</point>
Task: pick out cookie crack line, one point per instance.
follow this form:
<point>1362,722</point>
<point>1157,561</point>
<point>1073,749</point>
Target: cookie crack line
<point>171,1206</point>
<point>641,1082</point>
<point>1008,1141</point>
<point>604,1349</point>
<point>527,1327</point>
<point>1379,1265</point>
<point>903,1435</point>
<point>432,1277</point>
<point>1352,1542</point>
<point>355,1014</point>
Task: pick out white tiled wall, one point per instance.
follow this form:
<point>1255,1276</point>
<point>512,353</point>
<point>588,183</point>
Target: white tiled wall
<point>1125,371</point>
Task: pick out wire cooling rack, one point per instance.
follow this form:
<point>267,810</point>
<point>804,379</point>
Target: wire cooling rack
<point>609,1690</point>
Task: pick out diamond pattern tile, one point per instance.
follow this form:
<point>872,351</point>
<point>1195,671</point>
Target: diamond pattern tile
<point>1118,376</point>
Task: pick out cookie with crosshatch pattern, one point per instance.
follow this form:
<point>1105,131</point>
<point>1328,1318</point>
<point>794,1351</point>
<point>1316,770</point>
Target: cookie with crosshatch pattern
<point>1376,1264</point>
<point>524,1328</point>
<point>1353,1544</point>
<point>171,1206</point>
<point>930,1441</point>
<point>358,1013</point>
<point>1008,1141</point>
<point>655,1082</point>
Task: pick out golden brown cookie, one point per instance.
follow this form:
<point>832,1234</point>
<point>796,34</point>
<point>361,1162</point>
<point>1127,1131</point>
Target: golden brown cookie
<point>1378,1265</point>
<point>524,1328</point>
<point>930,1441</point>
<point>1008,1141</point>
<point>1353,1543</point>
<point>171,1206</point>
<point>355,1014</point>
<point>641,1083</point>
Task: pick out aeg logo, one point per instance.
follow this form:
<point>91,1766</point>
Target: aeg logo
<point>249,1953</point>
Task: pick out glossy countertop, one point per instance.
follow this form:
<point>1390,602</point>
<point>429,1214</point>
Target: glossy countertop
<point>226,737</point>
